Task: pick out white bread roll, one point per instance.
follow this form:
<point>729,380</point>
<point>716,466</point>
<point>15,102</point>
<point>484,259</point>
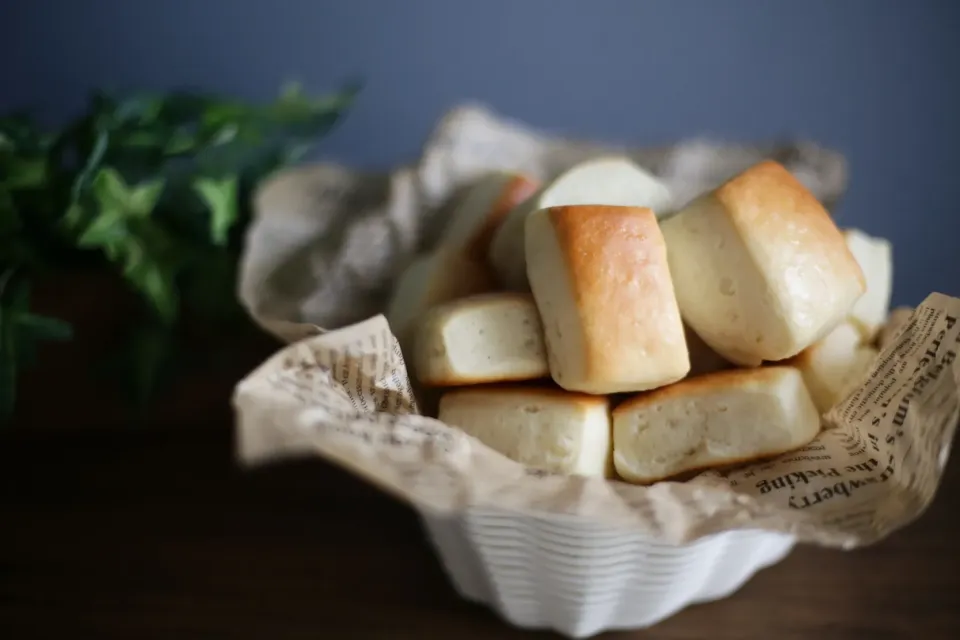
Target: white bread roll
<point>898,318</point>
<point>429,280</point>
<point>542,428</point>
<point>715,420</point>
<point>760,269</point>
<point>485,205</point>
<point>601,282</point>
<point>834,365</point>
<point>610,180</point>
<point>494,337</point>
<point>875,257</point>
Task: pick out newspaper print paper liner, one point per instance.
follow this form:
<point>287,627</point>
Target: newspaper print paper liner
<point>328,242</point>
<point>345,396</point>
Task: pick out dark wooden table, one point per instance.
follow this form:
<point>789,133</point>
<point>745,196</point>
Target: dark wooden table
<point>140,534</point>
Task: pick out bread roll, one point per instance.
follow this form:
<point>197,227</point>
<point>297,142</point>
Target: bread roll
<point>492,337</point>
<point>542,428</point>
<point>898,318</point>
<point>484,206</point>
<point>834,365</point>
<point>429,280</point>
<point>715,420</point>
<point>875,257</point>
<point>601,282</point>
<point>608,180</point>
<point>760,269</point>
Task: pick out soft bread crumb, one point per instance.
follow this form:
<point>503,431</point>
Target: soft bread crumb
<point>718,419</point>
<point>542,428</point>
<point>492,337</point>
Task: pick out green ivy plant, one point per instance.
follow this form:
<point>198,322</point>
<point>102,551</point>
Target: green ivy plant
<point>156,187</point>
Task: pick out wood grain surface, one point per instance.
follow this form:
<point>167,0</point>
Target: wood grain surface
<point>142,534</point>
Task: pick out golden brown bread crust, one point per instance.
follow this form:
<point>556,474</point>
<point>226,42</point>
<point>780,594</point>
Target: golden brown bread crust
<point>517,189</point>
<point>704,384</point>
<point>767,203</point>
<point>533,391</point>
<point>803,358</point>
<point>617,266</point>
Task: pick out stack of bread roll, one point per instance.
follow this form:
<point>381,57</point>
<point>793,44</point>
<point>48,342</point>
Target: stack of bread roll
<point>586,326</point>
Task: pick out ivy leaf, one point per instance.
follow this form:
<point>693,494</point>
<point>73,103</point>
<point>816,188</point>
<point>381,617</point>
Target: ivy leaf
<point>80,183</point>
<point>23,164</point>
<point>9,216</point>
<point>178,143</point>
<point>294,106</point>
<point>20,331</point>
<point>153,185</point>
<point>24,173</point>
<point>114,195</point>
<point>45,328</point>
<point>34,328</point>
<point>19,135</point>
<point>220,197</point>
<point>220,113</point>
<point>14,247</point>
<point>74,216</point>
<point>146,138</point>
<point>110,189</point>
<point>123,230</point>
<point>141,110</point>
<point>108,232</point>
<point>154,280</point>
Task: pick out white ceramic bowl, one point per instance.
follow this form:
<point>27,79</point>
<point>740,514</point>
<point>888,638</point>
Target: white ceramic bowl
<point>580,579</point>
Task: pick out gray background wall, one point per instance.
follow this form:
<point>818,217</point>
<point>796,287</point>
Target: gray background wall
<point>875,79</point>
